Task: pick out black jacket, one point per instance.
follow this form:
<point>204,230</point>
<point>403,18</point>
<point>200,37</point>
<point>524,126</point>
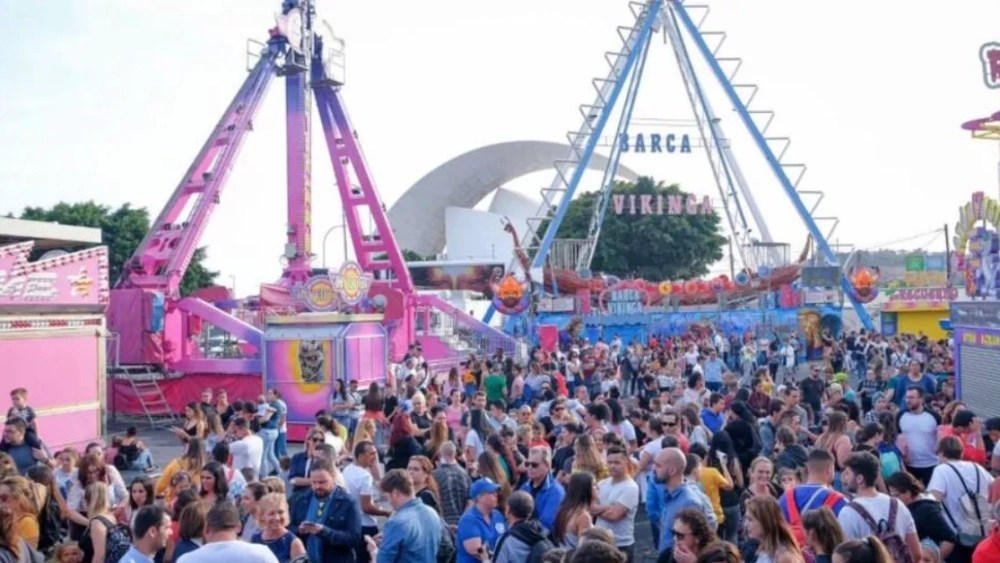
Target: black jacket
<point>341,525</point>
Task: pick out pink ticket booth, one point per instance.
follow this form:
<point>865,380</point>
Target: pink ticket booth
<point>53,340</point>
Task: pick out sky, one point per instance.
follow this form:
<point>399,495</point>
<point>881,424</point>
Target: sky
<point>110,100</point>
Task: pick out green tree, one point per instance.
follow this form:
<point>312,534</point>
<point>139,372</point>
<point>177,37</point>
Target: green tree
<point>652,247</point>
<point>122,230</point>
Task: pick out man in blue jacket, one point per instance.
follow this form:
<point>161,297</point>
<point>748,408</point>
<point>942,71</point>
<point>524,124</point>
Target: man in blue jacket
<point>543,488</point>
<point>327,518</point>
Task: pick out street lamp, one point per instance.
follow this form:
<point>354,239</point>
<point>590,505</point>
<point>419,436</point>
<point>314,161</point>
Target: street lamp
<point>327,234</point>
<point>233,279</point>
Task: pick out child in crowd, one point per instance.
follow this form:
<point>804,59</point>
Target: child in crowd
<point>19,408</point>
<point>68,552</point>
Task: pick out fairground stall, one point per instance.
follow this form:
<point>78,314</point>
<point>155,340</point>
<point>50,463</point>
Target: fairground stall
<point>52,335</point>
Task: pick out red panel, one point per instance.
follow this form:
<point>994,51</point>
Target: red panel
<point>186,389</point>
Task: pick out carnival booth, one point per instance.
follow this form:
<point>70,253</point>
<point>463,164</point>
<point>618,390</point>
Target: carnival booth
<point>917,310</point>
<point>53,339</point>
<point>306,355</point>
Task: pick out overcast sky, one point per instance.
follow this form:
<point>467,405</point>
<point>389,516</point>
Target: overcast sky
<point>111,99</point>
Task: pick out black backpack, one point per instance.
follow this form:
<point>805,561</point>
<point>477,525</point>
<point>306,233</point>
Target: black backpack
<point>538,549</point>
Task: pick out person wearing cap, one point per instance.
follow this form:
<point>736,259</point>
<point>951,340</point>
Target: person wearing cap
<point>482,524</point>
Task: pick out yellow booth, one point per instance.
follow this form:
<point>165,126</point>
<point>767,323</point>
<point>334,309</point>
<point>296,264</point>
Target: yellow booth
<point>917,310</point>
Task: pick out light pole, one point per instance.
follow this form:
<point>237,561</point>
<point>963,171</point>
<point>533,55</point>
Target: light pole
<point>327,235</point>
<point>233,279</point>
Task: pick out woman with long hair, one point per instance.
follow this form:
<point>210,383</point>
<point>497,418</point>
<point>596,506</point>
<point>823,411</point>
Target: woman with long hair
<point>475,434</point>
<point>19,495</point>
<point>191,528</point>
<point>92,470</point>
<point>489,467</point>
<point>52,504</point>
<point>403,443</point>
<point>588,458</point>
<point>836,441</point>
<point>692,534</point>
<point>455,410</point>
<point>249,502</point>
<point>574,517</point>
<point>140,494</point>
<point>744,432</point>
<point>765,523</point>
<point>823,533</point>
<point>722,455</point>
<point>97,543</point>
<point>195,457</point>
<point>214,486</point>
<point>868,550</point>
<point>194,425</point>
<point>424,485</point>
<point>367,431</point>
<point>496,447</point>
<point>215,432</point>
<point>439,434</point>
<point>927,511</point>
<point>695,431</point>
<point>9,538</point>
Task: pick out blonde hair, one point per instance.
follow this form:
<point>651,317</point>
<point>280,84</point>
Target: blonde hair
<point>274,484</point>
<point>272,501</point>
<point>365,432</point>
<point>25,495</point>
<point>96,497</point>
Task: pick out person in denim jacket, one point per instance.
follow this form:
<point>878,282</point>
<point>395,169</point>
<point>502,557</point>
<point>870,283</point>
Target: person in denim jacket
<point>327,518</point>
<point>413,532</point>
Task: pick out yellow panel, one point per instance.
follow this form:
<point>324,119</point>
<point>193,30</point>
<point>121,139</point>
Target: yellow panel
<point>928,322</point>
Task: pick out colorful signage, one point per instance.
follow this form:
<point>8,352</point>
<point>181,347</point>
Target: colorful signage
<point>76,279</point>
<point>989,55</point>
<point>977,246</point>
<point>329,292</point>
<point>650,204</point>
<point>624,298</point>
<point>668,143</point>
<point>921,299</point>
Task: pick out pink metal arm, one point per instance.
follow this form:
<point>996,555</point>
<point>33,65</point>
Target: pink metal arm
<point>165,253</point>
<point>379,251</point>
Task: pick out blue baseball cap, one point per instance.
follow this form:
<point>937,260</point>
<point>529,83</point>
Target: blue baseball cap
<point>482,486</point>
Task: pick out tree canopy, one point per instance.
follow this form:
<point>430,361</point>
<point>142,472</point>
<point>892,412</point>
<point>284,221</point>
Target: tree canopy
<point>122,230</point>
<point>652,247</point>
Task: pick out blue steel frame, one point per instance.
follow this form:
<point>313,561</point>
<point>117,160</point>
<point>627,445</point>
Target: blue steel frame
<point>552,229</point>
<point>611,172</point>
<point>685,57</point>
<point>609,105</point>
<point>769,155</point>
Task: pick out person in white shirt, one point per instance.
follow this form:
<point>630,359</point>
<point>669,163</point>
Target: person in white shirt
<point>953,480</point>
<point>860,473</point>
<point>362,476</point>
<point>248,450</point>
<point>222,526</point>
<point>919,426</point>
<point>618,498</point>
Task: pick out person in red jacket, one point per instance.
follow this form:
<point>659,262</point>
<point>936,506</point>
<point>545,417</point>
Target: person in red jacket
<point>988,550</point>
<point>967,427</point>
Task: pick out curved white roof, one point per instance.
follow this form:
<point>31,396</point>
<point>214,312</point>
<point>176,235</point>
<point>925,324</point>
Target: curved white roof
<point>418,217</point>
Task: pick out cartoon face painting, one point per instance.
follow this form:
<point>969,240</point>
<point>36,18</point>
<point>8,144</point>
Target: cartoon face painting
<point>311,360</point>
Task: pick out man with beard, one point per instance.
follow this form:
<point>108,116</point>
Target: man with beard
<point>327,518</point>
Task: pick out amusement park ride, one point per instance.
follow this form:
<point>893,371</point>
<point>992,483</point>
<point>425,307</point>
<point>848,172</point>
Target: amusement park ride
<point>157,326</point>
<point>682,25</point>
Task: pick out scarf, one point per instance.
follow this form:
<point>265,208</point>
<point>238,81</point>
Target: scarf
<point>314,543</point>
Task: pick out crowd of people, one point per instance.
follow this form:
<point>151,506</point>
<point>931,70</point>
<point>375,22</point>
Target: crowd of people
<point>734,449</point>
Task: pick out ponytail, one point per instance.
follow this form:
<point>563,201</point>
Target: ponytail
<point>868,550</point>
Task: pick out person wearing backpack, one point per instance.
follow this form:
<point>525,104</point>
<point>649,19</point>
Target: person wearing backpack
<point>104,539</point>
<point>812,494</point>
<point>875,513</point>
<point>963,489</point>
<point>525,540</point>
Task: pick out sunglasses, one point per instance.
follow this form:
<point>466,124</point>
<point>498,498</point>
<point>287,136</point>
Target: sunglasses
<point>533,464</point>
<point>317,440</point>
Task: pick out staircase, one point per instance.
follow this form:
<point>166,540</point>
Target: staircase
<point>583,141</point>
<point>758,122</point>
<point>460,333</point>
<point>145,383</point>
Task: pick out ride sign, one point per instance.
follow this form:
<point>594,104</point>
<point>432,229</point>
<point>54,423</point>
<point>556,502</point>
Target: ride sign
<point>989,55</point>
<point>328,292</point>
<point>77,279</point>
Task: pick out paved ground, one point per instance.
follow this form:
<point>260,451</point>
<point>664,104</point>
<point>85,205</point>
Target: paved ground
<point>165,446</point>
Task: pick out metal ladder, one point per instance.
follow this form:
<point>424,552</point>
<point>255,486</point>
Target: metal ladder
<point>570,169</point>
<point>758,123</point>
<point>145,383</point>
